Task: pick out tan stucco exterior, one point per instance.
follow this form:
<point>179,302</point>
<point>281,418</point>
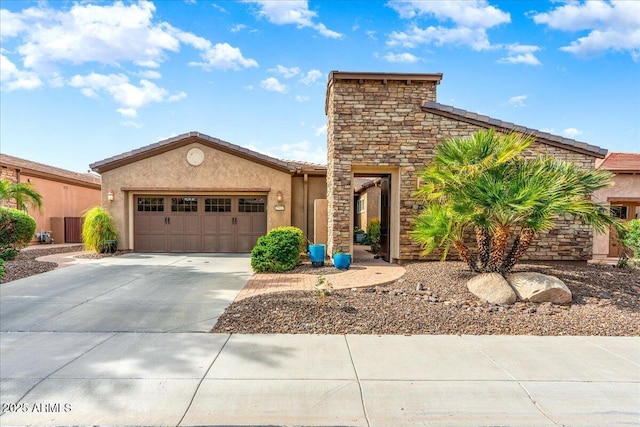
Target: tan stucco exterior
<point>64,193</point>
<point>169,173</point>
<point>625,191</point>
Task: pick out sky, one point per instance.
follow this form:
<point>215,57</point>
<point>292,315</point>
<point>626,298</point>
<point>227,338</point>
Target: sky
<point>83,81</point>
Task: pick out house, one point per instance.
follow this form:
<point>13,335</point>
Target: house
<point>623,198</point>
<point>195,193</point>
<point>366,201</point>
<point>65,195</point>
<point>200,194</point>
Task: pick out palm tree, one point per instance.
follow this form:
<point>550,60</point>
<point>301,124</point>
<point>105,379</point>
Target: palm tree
<point>487,185</point>
<point>22,193</point>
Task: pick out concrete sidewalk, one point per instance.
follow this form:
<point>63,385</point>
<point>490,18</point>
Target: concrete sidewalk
<point>328,380</point>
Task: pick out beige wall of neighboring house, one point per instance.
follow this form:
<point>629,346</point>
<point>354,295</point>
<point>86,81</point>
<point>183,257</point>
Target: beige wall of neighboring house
<point>65,194</point>
<point>623,197</point>
<point>367,202</point>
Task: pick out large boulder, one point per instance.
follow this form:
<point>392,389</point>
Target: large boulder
<point>492,288</point>
<point>537,287</point>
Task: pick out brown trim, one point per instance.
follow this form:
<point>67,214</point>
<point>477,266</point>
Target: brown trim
<point>532,132</point>
<point>186,139</point>
<point>408,77</point>
<point>623,199</point>
<point>22,173</point>
<point>199,189</point>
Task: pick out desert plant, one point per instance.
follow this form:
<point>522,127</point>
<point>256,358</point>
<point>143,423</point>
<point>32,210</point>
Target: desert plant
<point>485,184</point>
<point>628,234</point>
<point>373,234</point>
<point>323,289</point>
<point>278,250</point>
<point>22,193</point>
<point>16,231</point>
<point>98,232</point>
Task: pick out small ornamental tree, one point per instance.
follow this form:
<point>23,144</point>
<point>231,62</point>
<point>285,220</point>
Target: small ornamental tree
<point>98,232</point>
<point>628,234</point>
<point>278,250</point>
<point>373,234</point>
<point>17,229</point>
<point>486,184</point>
<point>22,193</point>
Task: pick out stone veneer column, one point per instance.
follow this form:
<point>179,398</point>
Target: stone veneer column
<point>375,121</point>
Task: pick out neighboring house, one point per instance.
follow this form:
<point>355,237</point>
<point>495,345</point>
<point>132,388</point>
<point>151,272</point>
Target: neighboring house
<point>623,198</point>
<point>65,195</point>
<point>195,193</point>
<point>366,200</point>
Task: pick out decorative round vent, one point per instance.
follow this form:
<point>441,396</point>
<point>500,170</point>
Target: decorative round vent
<point>195,157</point>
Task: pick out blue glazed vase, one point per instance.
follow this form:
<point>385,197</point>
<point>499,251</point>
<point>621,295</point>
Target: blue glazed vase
<point>342,261</point>
<point>317,254</point>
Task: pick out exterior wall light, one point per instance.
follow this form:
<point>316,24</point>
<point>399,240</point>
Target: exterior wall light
<point>279,197</point>
<point>110,195</point>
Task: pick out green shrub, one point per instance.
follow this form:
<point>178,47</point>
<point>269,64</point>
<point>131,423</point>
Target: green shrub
<point>373,234</point>
<point>98,231</point>
<point>631,239</point>
<point>1,268</point>
<point>17,229</point>
<point>278,251</point>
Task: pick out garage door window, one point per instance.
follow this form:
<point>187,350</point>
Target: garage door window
<point>150,204</point>
<point>251,205</point>
<point>184,204</point>
<point>217,205</point>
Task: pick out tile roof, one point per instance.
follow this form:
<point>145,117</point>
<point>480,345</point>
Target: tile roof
<point>29,167</point>
<point>486,121</point>
<point>167,144</point>
<point>620,162</point>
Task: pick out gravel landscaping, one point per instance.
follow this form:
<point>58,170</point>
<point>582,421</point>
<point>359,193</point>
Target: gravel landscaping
<point>25,264</point>
<point>432,298</point>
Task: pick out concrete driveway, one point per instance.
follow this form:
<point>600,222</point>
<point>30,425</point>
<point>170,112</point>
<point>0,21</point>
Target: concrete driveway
<point>129,293</point>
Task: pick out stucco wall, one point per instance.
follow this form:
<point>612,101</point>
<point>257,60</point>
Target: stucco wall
<point>371,197</point>
<point>626,188</point>
<point>376,126</point>
<point>316,188</point>
<point>60,200</point>
<point>170,173</point>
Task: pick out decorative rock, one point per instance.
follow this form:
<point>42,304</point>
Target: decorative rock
<point>537,287</point>
<point>492,288</point>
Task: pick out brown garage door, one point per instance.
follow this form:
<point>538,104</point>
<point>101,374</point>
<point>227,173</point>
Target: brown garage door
<point>198,224</point>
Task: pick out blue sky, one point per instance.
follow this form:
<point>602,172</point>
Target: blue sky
<point>82,81</point>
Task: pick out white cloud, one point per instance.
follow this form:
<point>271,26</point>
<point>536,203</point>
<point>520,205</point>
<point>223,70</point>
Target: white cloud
<point>272,84</point>
<point>311,77</point>
<point>127,95</point>
<point>286,72</point>
<point>371,34</point>
<point>462,23</point>
<point>521,54</point>
<point>224,56</point>
<point>322,130</point>
<point>237,28</point>
<point>107,34</point>
<point>571,132</point>
<point>11,24</point>
<point>11,78</point>
<point>405,58</point>
<point>292,12</point>
<point>517,101</point>
<point>301,98</point>
<point>612,25</point>
<point>150,74</point>
<point>128,112</point>
<point>132,124</point>
<point>303,150</point>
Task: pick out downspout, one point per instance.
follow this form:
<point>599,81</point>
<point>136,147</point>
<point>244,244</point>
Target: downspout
<point>305,198</point>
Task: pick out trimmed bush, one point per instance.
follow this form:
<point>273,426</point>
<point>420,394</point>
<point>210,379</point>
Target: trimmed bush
<point>1,268</point>
<point>17,229</point>
<point>373,234</point>
<point>278,251</point>
<point>98,232</point>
